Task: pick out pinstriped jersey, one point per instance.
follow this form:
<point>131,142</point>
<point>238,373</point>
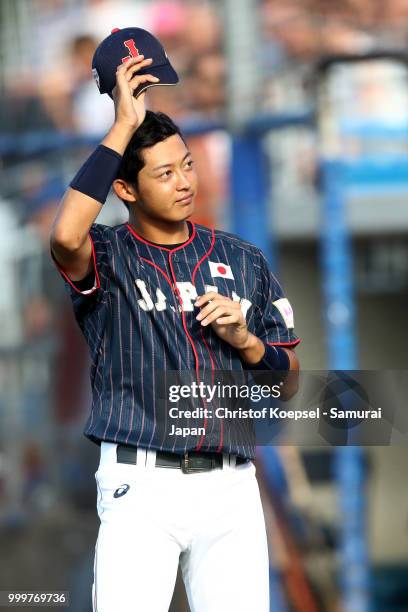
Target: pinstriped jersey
<point>139,321</point>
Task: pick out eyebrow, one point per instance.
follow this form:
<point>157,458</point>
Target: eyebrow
<point>165,165</point>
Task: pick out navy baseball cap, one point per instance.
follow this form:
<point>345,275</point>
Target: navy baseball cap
<point>122,45</point>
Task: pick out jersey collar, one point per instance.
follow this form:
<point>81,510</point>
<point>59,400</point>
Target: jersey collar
<point>156,246</point>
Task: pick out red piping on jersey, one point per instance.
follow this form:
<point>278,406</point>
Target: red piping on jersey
<point>209,352</point>
<point>170,252</point>
<point>176,289</point>
<point>65,275</point>
<point>193,233</point>
<point>177,292</point>
<point>157,268</point>
<point>207,254</point>
<point>212,380</point>
<point>198,264</point>
<point>183,318</point>
<point>294,343</point>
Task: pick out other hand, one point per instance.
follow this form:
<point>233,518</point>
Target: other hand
<point>225,317</point>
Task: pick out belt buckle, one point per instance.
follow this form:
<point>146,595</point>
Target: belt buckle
<point>191,464</point>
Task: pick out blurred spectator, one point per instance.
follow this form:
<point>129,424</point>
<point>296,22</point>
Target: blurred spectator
<point>291,25</point>
<point>338,37</point>
<point>54,21</point>
<point>35,476</point>
<point>203,33</point>
<point>42,297</point>
<point>169,21</point>
<point>47,311</point>
<point>206,86</point>
<point>48,316</point>
<point>52,86</point>
<point>170,100</point>
<point>58,21</point>
<point>70,95</point>
<point>187,30</point>
<point>101,16</point>
<point>306,34</point>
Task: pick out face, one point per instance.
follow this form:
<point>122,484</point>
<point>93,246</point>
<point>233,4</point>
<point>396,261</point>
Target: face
<point>167,183</point>
<point>208,86</point>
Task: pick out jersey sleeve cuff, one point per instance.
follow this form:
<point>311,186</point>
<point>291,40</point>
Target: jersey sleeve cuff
<point>85,292</point>
<point>291,344</point>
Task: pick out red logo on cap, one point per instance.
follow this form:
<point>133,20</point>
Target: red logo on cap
<point>131,46</point>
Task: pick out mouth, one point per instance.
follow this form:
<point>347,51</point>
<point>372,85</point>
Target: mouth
<point>186,200</point>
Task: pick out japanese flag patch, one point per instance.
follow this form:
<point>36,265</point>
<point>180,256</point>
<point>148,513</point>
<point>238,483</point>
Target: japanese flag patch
<point>221,270</point>
<point>284,307</point>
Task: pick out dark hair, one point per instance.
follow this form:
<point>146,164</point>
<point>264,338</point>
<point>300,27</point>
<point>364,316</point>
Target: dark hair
<point>155,128</point>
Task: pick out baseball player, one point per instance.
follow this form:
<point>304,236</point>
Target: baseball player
<point>153,295</point>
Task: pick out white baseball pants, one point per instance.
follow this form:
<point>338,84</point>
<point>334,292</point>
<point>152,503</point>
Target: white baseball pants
<point>152,517</point>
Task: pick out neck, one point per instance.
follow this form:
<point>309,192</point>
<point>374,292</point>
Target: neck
<point>157,230</point>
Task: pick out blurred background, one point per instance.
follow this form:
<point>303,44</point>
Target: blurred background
<point>297,116</point>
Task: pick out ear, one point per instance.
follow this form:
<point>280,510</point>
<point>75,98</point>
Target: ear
<point>124,190</point>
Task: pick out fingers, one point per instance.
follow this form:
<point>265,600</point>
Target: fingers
<point>135,68</point>
<point>213,305</point>
<point>142,78</point>
<point>211,300</point>
<point>132,66</point>
<point>211,295</point>
<point>223,314</point>
<point>131,63</point>
<point>128,71</point>
<point>218,306</point>
<point>227,320</point>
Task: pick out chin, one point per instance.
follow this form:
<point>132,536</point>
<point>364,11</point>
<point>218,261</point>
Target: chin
<point>184,214</point>
<point>188,214</point>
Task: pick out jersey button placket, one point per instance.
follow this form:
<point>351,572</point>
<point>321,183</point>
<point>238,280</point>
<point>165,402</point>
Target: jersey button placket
<point>171,257</point>
<point>180,274</point>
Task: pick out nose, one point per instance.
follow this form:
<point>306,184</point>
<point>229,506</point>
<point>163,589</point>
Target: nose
<point>182,181</point>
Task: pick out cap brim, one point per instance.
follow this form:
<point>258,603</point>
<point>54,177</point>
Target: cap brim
<point>166,74</point>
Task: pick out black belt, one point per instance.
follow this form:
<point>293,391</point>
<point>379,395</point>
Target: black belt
<point>190,462</point>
